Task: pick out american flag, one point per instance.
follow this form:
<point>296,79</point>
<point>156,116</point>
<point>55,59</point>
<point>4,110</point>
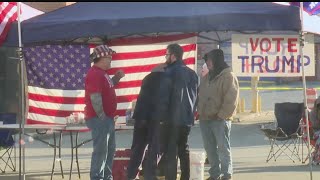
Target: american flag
<point>8,14</point>
<point>312,8</point>
<point>56,74</point>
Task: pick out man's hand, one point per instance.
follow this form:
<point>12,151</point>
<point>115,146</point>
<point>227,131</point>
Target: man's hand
<point>120,74</point>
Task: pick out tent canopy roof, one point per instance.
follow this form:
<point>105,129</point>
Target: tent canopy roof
<point>110,20</point>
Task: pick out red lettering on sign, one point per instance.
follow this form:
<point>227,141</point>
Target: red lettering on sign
<point>255,45</point>
<point>292,44</point>
<point>278,41</point>
<point>268,44</point>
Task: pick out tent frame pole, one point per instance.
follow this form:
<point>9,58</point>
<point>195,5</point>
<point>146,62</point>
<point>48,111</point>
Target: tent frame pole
<point>301,35</point>
<point>22,120</point>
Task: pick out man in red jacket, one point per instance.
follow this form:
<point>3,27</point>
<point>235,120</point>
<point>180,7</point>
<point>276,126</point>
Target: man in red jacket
<point>100,100</point>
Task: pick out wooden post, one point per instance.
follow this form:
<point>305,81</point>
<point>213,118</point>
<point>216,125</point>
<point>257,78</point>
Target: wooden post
<point>254,87</point>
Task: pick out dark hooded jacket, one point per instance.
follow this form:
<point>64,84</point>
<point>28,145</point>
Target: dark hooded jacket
<point>153,100</point>
<point>218,64</point>
<point>183,96</point>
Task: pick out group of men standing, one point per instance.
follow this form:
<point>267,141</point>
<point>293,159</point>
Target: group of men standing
<point>164,115</point>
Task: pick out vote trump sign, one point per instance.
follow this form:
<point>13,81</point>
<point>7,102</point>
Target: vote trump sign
<point>271,55</point>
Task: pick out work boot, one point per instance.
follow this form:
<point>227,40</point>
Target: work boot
<point>212,178</point>
<point>206,161</point>
<point>226,178</point>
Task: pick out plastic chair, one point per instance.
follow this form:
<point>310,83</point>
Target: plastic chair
<point>7,143</point>
<point>287,135</point>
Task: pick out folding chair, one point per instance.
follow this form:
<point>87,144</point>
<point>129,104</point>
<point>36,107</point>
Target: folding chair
<point>287,132</point>
<point>7,143</point>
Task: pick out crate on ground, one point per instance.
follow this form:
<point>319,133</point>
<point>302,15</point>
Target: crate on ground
<point>120,164</point>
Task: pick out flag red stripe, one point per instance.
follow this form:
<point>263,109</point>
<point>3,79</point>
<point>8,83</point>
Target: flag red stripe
<point>121,112</point>
<point>146,40</point>
<point>7,9</point>
<point>314,10</point>
<point>6,29</point>
<point>31,121</point>
<point>144,68</point>
<point>148,54</point>
<point>50,112</point>
<point>56,99</point>
<point>7,25</point>
<point>128,84</point>
<point>79,100</point>
<point>61,113</point>
<point>128,98</point>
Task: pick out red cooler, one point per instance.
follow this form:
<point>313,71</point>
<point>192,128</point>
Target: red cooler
<point>120,164</point>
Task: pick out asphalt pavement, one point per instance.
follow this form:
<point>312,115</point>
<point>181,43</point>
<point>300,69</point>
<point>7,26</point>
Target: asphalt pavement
<point>249,149</point>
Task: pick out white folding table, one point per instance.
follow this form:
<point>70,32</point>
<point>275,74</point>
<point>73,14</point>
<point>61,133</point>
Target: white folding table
<point>60,129</point>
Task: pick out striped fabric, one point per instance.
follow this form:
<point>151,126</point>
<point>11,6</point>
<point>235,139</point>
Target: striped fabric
<point>8,14</point>
<point>101,51</point>
<point>56,74</point>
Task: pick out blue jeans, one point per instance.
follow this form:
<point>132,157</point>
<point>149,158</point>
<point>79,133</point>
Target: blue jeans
<point>104,146</point>
<point>216,140</point>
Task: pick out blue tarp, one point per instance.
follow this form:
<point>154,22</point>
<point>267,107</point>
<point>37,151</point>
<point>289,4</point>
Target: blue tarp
<point>114,19</point>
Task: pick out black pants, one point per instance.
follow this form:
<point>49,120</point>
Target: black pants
<point>175,142</point>
<point>143,135</point>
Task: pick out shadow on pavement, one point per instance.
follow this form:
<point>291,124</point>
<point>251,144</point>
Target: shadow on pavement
<point>275,168</point>
<point>245,135</point>
<point>32,175</point>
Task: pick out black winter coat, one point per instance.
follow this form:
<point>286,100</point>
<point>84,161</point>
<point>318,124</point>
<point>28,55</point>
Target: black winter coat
<point>153,100</point>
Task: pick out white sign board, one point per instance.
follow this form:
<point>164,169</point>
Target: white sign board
<point>271,55</point>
